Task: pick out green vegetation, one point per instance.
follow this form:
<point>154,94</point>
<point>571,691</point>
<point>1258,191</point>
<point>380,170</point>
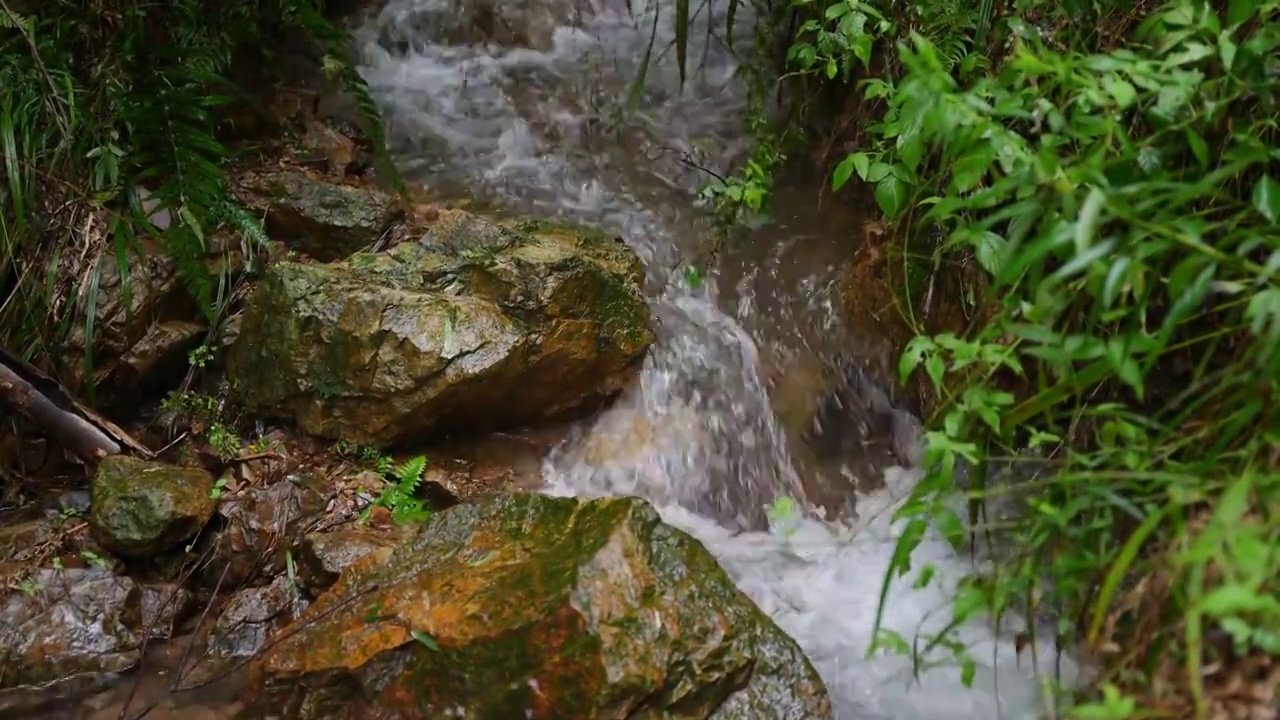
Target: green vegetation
<point>109,116</point>
<point>1105,175</point>
<point>1109,175</point>
<point>399,494</point>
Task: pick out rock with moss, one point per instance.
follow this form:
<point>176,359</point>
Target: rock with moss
<point>140,508</point>
<point>537,607</point>
<point>324,220</point>
<point>480,325</point>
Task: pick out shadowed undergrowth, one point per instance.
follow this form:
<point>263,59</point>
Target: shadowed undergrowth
<point>110,115</point>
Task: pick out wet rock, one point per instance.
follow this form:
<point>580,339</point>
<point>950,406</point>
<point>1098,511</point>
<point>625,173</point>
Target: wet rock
<point>74,502</point>
<point>259,526</point>
<point>164,607</point>
<point>125,306</point>
<point>323,556</point>
<point>856,418</point>
<point>250,618</point>
<point>64,623</point>
<point>334,152</point>
<point>20,542</point>
<point>539,607</point>
<point>140,508</point>
<point>159,356</point>
<point>523,23</point>
<point>480,326</point>
<point>324,220</point>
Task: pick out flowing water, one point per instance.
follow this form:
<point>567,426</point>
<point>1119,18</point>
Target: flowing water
<point>543,129</point>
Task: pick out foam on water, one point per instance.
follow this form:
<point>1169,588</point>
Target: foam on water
<point>542,131</point>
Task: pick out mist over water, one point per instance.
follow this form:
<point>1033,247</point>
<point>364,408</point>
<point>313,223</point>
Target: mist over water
<point>542,131</point>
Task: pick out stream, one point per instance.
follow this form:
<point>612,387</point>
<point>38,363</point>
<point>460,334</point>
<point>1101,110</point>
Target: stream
<point>543,130</point>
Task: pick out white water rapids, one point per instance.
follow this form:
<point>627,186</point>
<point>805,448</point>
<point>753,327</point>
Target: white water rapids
<point>541,131</point>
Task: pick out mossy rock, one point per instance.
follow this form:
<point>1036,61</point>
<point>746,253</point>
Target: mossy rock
<point>481,325</point>
<point>538,607</point>
<point>140,508</point>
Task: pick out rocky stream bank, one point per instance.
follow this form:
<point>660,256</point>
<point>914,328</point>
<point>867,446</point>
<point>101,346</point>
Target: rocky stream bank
<point>258,565</point>
<point>336,511</point>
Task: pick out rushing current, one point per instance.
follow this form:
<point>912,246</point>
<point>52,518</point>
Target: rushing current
<point>524,106</point>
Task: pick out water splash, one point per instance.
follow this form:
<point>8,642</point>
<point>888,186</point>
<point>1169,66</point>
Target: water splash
<point>542,130</point>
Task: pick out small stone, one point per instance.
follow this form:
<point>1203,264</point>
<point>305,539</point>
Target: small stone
<point>251,616</point>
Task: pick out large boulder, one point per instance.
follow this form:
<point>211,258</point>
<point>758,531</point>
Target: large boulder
<point>538,607</point>
<point>479,326</point>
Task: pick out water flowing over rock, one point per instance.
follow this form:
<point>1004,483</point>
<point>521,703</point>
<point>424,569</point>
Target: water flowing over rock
<point>481,325</point>
<point>706,433</point>
<point>518,23</point>
<point>140,508</point>
<point>538,607</point>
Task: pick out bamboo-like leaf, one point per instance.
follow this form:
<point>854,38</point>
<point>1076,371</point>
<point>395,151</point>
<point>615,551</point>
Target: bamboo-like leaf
<point>642,75</point>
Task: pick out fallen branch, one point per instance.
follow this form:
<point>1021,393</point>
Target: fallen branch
<point>82,431</point>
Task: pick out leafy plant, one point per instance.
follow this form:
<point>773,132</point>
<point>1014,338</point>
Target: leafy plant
<point>1108,172</point>
<point>108,143</point>
<point>1122,207</point>
<point>398,495</point>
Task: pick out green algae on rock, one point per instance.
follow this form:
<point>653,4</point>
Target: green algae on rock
<point>324,220</point>
<point>538,607</point>
<point>140,508</point>
<point>480,325</point>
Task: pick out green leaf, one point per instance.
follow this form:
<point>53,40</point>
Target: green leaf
<point>891,196</point>
<point>1090,218</point>
<point>989,249</point>
<point>968,669</point>
<point>877,172</point>
<point>1226,50</point>
<point>1236,599</point>
<point>1194,52</point>
<point>1121,90</point>
<point>1198,147</point>
<point>844,171</point>
<point>1266,198</point>
<point>1117,277</point>
<point>969,170</point>
<point>425,640</point>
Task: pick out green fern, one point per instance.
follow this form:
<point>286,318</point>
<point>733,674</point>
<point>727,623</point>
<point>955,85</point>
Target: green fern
<point>97,103</point>
<point>400,494</point>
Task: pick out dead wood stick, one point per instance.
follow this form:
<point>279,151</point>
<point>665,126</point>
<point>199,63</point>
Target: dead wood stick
<point>58,397</point>
<point>78,434</point>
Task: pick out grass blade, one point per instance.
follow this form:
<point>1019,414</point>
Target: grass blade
<point>637,85</point>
